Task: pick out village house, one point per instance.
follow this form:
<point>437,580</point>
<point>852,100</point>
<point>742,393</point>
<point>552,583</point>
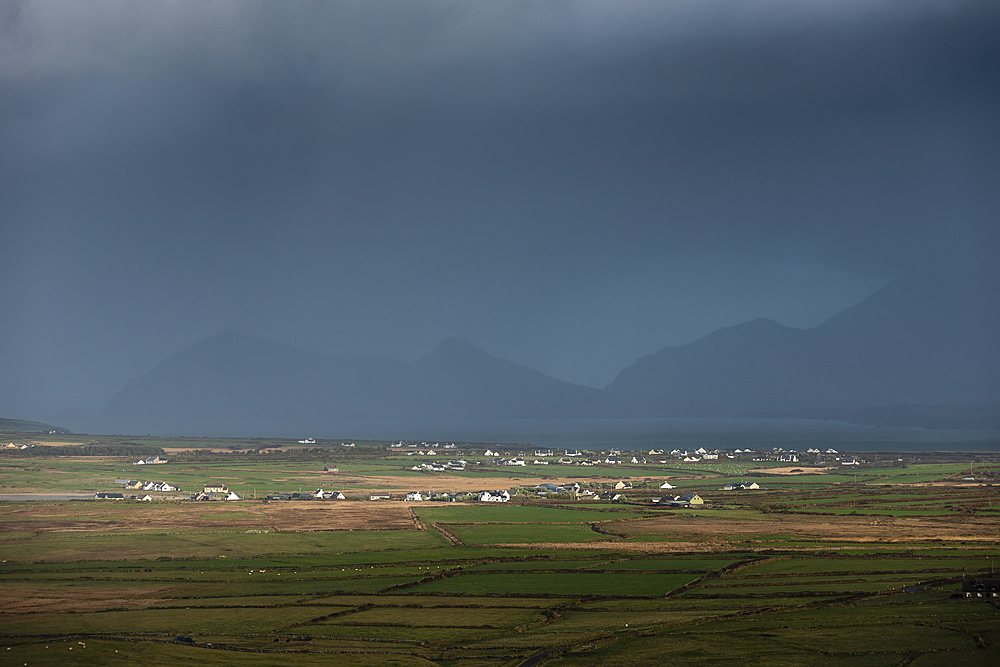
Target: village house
<point>152,460</point>
<point>494,496</point>
<point>216,488</point>
<point>158,486</point>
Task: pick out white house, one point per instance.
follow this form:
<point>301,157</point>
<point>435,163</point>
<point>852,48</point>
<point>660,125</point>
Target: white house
<point>667,485</point>
<point>414,495</point>
<point>494,496</point>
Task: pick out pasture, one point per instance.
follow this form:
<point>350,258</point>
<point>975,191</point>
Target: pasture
<point>817,567</point>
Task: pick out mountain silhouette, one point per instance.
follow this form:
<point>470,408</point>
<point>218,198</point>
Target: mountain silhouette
<point>237,383</point>
<point>924,341</point>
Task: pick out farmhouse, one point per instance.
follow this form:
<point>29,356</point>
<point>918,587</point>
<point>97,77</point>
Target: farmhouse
<point>109,496</point>
<point>158,486</point>
<point>216,488</point>
<point>494,496</point>
<point>414,495</point>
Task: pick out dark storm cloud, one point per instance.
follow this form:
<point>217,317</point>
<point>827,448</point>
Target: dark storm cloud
<point>566,184</point>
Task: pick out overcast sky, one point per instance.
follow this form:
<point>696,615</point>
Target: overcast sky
<point>567,185</point>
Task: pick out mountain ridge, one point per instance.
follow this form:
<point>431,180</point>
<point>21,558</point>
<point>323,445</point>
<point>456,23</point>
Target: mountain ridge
<point>914,342</point>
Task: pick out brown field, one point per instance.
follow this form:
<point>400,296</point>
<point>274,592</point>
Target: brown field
<point>26,598</point>
<point>284,516</point>
<point>818,528</point>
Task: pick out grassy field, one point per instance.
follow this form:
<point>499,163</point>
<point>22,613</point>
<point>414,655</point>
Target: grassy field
<point>818,568</point>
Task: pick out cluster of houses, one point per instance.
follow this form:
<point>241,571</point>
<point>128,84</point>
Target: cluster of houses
<point>152,460</point>
<point>121,496</point>
<point>214,491</point>
<point>146,486</point>
<point>318,494</point>
<point>431,445</point>
<point>440,467</point>
<point>742,486</point>
<point>576,457</point>
<point>11,445</point>
<point>679,501</point>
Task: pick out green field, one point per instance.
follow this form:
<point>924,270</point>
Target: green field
<point>832,568</point>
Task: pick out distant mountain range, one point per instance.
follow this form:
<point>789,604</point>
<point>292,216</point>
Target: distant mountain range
<point>923,341</point>
<point>926,341</point>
